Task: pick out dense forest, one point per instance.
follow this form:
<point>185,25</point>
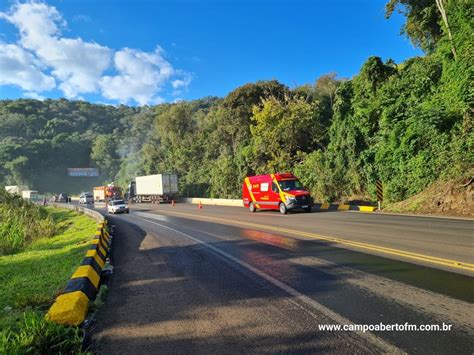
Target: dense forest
<point>407,124</point>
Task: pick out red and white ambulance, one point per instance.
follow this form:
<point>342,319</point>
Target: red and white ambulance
<point>282,192</point>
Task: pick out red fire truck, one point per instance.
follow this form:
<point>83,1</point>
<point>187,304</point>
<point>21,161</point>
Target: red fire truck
<point>282,192</point>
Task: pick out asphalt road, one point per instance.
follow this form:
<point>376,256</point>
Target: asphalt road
<point>222,280</point>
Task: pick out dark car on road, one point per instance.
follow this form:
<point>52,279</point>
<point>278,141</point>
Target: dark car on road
<point>86,198</point>
<point>63,197</point>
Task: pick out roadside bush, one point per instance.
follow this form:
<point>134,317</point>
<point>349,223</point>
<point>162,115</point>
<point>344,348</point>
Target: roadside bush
<point>21,222</point>
<point>35,335</point>
<point>314,174</point>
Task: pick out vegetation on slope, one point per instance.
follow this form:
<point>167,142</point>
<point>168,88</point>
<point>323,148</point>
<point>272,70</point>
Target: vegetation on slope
<point>21,222</point>
<point>451,198</point>
<point>30,281</point>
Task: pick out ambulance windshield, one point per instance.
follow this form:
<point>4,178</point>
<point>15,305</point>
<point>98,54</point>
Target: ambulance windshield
<point>288,185</point>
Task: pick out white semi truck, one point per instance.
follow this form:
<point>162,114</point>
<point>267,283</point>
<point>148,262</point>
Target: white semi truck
<point>31,195</point>
<point>16,189</point>
<point>156,188</point>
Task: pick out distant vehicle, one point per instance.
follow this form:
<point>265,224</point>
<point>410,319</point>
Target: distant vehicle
<point>16,189</point>
<point>99,193</point>
<point>31,195</point>
<point>86,198</point>
<point>117,206</point>
<point>282,192</point>
<point>63,197</point>
<point>156,188</point>
<point>106,193</point>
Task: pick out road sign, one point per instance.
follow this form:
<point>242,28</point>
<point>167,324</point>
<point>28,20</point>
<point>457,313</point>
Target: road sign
<point>89,172</point>
<point>379,187</point>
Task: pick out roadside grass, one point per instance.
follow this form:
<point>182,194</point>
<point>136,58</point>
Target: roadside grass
<point>31,279</point>
<point>409,206</point>
<point>449,198</point>
<point>21,223</point>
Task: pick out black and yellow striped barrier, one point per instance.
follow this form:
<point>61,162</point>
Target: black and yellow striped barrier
<point>343,207</point>
<point>70,308</point>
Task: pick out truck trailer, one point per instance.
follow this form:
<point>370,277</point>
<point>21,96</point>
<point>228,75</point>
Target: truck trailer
<point>30,195</point>
<point>156,188</point>
<point>107,193</point>
<point>16,189</point>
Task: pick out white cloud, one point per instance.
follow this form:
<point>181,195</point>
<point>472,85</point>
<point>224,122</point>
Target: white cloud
<point>34,95</point>
<point>181,84</point>
<point>178,83</point>
<point>158,100</point>
<point>20,68</point>
<point>79,66</point>
<point>34,20</point>
<point>141,76</point>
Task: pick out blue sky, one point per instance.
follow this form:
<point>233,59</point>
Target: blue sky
<point>147,52</point>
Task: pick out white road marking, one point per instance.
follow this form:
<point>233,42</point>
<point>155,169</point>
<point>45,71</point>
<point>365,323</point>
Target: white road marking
<point>337,318</point>
<point>442,307</point>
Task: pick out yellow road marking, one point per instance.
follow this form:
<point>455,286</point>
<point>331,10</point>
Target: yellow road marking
<point>406,254</point>
<point>309,302</point>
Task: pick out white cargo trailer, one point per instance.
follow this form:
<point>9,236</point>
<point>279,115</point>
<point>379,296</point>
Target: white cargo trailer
<point>16,189</point>
<point>155,188</point>
<point>31,195</point>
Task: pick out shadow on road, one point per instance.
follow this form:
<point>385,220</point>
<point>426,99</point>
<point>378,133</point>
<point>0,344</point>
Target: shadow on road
<point>171,297</point>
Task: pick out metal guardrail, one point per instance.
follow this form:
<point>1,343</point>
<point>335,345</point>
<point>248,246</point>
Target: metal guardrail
<point>87,211</point>
<point>213,201</point>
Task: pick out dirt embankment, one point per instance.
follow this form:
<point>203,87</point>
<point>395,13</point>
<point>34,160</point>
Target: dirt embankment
<point>441,198</point>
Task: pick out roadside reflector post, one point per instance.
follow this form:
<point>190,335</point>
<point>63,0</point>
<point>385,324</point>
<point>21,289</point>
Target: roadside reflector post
<point>379,188</point>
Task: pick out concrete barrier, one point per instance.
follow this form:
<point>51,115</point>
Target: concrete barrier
<point>214,201</point>
<point>342,207</point>
<point>70,308</point>
<point>317,206</point>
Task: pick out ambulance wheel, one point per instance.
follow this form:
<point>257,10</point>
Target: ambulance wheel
<point>252,207</point>
<point>283,209</point>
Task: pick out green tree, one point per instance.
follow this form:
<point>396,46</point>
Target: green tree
<point>282,129</point>
<point>105,157</point>
<point>422,24</point>
<point>18,169</point>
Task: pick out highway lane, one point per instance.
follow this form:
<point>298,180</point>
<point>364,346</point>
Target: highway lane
<point>443,238</point>
<point>182,285</point>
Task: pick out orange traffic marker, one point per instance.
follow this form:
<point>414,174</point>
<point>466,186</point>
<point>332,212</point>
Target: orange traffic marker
<point>200,204</point>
